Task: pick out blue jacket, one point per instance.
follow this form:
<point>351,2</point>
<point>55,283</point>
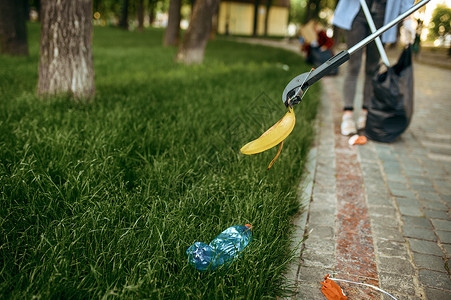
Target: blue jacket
<point>347,10</point>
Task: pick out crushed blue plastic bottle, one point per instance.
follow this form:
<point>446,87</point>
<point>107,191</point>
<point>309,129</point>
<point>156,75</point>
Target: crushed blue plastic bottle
<point>222,250</point>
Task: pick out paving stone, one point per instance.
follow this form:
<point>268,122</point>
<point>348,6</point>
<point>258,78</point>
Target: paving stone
<point>435,214</point>
<point>426,247</point>
<point>396,178</point>
<point>319,218</point>
<point>391,248</point>
<point>321,232</point>
<point>372,186</point>
<point>416,221</point>
<point>415,172</point>
<point>322,188</point>
<point>431,262</point>
<point>403,193</point>
<point>395,265</point>
<point>435,205</point>
<point>384,221</point>
<point>442,183</point>
<point>448,249</point>
<point>324,245</point>
<point>375,199</point>
<point>435,294</point>
<point>318,207</point>
<point>387,233</point>
<point>411,211</point>
<point>377,189</point>
<point>444,236</point>
<point>385,211</point>
<point>371,168</point>
<point>446,198</point>
<point>435,279</point>
<point>420,180</point>
<point>446,190</point>
<point>408,202</point>
<point>373,176</point>
<point>399,296</point>
<point>393,185</point>
<point>400,283</point>
<point>413,167</point>
<point>423,188</point>
<point>316,258</point>
<point>441,224</point>
<point>419,233</point>
<point>428,196</point>
<point>325,199</point>
<point>312,275</point>
<point>309,291</point>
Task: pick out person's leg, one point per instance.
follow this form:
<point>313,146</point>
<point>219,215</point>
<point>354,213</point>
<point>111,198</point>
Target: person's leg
<point>353,36</point>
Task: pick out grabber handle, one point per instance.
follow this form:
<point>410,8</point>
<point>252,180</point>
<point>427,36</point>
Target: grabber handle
<point>324,69</point>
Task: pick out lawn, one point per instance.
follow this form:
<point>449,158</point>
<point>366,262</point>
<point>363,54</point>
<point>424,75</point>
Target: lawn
<point>103,199</point>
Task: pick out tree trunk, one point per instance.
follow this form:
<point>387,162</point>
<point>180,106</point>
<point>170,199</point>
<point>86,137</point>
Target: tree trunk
<point>66,64</point>
<point>140,15</point>
<point>193,46</point>
<point>151,11</point>
<point>268,7</point>
<point>124,15</point>
<point>311,4</point>
<point>172,33</point>
<point>13,29</point>
<point>256,5</point>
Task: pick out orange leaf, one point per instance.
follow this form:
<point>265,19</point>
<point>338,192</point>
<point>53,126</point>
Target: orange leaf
<point>331,290</point>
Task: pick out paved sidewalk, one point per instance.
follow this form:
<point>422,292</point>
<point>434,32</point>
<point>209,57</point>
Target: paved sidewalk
<point>380,213</point>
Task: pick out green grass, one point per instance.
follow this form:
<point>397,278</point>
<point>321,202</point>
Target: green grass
<point>103,199</point>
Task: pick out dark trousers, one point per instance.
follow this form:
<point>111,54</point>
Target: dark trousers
<point>358,32</point>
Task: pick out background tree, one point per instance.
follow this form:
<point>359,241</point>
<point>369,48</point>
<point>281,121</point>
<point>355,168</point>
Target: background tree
<point>140,15</point>
<point>66,64</point>
<point>36,5</point>
<point>256,5</point>
<point>13,30</point>
<point>268,7</point>
<point>123,23</point>
<point>172,32</point>
<point>192,48</point>
<point>302,11</point>
<point>152,4</point>
<point>440,24</point>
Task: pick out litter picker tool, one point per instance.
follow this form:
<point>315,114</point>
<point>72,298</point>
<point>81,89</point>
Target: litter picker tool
<point>378,41</point>
<point>298,86</point>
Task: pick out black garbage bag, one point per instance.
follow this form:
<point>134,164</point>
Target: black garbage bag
<point>391,106</point>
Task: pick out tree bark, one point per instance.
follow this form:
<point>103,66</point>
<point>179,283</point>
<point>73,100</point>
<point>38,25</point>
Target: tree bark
<point>124,15</point>
<point>66,64</point>
<point>140,15</point>
<point>192,49</point>
<point>311,4</point>
<point>268,7</point>
<point>172,33</point>
<point>13,29</point>
<point>151,11</point>
<point>256,5</point>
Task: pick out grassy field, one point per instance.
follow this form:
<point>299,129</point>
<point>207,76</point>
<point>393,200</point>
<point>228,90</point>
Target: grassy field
<point>103,199</point>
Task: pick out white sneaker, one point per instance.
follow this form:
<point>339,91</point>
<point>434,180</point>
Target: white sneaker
<point>348,125</point>
<point>361,122</point>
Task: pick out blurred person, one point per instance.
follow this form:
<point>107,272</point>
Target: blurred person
<point>319,43</point>
<point>349,16</point>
